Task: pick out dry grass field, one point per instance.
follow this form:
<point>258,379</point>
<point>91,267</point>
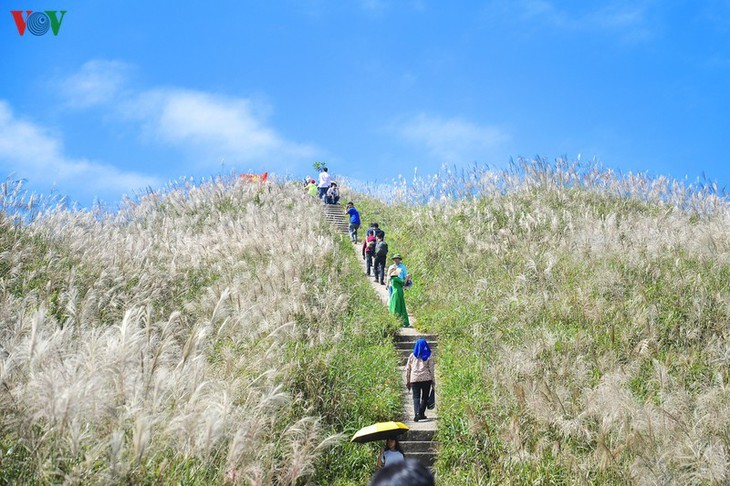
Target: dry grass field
<point>583,319</point>
<point>188,337</point>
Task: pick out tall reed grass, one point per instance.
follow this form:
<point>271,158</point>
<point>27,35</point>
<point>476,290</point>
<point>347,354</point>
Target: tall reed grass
<point>171,340</point>
<point>583,319</point>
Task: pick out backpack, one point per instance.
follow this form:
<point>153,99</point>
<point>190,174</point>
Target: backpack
<point>381,249</point>
<point>370,248</point>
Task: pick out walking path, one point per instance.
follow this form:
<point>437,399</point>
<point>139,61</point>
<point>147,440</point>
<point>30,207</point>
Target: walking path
<point>418,442</point>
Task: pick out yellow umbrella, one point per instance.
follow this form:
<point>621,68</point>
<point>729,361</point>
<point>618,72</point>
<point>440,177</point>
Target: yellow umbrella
<point>379,431</point>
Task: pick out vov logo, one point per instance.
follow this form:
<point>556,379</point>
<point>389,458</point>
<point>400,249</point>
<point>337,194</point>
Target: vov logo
<point>38,23</point>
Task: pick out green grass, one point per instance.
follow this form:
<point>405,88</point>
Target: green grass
<point>221,343</point>
<point>582,335</point>
<point>572,323</point>
<point>356,380</point>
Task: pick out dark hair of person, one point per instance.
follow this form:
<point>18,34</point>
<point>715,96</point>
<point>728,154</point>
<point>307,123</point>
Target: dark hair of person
<point>409,472</point>
<point>397,445</point>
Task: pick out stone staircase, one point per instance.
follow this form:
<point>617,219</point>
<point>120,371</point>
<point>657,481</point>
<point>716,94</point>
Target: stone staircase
<point>418,442</point>
<point>336,216</point>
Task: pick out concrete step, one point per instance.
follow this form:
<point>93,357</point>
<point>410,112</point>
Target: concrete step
<point>412,338</point>
<point>409,413</point>
<point>409,346</point>
<point>418,435</point>
<point>418,446</point>
<point>426,458</point>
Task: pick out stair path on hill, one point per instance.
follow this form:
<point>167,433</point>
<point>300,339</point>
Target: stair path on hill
<point>418,442</point>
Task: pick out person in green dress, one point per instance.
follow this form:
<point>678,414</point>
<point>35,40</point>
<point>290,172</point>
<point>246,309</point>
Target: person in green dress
<point>397,301</point>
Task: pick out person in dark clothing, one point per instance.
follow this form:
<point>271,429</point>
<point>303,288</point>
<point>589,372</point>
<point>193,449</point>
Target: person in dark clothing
<point>368,251</point>
<point>409,472</point>
<point>380,257</point>
<point>373,229</point>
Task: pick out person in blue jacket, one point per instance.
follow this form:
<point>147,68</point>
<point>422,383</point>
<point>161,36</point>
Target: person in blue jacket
<point>354,221</point>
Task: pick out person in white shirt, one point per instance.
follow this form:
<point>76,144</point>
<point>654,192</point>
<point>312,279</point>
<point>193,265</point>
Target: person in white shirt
<point>324,182</point>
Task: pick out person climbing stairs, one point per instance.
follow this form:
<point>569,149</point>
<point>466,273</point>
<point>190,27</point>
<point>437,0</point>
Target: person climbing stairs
<point>419,442</point>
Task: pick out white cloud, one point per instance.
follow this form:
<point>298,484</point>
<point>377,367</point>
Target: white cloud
<point>452,139</point>
<point>204,126</point>
<point>215,125</point>
<point>33,152</point>
<point>97,82</point>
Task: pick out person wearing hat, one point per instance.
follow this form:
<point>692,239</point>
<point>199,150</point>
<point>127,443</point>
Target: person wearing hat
<point>312,188</point>
<point>397,300</point>
<point>402,272</point>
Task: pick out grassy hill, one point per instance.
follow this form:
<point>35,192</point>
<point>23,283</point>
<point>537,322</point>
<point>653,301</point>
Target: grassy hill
<point>216,332</point>
<point>222,333</point>
<point>583,320</point>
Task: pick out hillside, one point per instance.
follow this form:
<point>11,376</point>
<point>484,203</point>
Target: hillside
<point>222,332</point>
<point>201,334</point>
<point>583,321</point>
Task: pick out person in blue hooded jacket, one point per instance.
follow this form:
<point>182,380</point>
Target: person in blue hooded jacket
<point>420,377</point>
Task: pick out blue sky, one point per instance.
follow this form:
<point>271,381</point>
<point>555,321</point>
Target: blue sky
<point>132,94</point>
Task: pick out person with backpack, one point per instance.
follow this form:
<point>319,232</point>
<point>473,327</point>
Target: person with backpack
<point>373,229</point>
<point>379,257</point>
<point>368,250</point>
<point>354,221</point>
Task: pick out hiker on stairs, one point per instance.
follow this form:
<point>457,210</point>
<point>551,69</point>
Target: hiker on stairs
<point>397,301</point>
<point>379,257</point>
<point>368,252</point>
<point>402,272</point>
<point>420,377</point>
<point>333,194</point>
<point>354,221</point>
<point>324,183</point>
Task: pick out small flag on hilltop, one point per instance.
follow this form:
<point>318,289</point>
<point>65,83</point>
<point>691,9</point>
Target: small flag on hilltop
<point>255,177</point>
